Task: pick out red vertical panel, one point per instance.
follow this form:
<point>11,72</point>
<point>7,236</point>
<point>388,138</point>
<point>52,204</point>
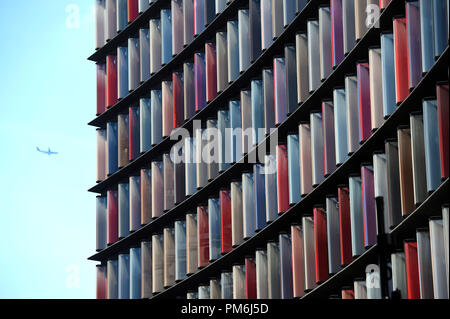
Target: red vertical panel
<point>101,88</point>
<point>133,10</point>
<point>203,236</point>
<point>178,99</point>
<point>401,59</point>
<point>348,294</point>
<point>250,278</point>
<point>111,80</point>
<point>320,244</point>
<point>365,122</point>
<point>282,179</point>
<point>113,217</point>
<point>211,71</point>
<point>412,270</point>
<point>102,282</point>
<point>344,225</point>
<point>225,220</point>
<point>443,115</point>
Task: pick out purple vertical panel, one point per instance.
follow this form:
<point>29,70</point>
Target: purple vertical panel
<point>167,108</point>
<point>337,37</point>
<point>134,133</point>
<point>365,124</point>
<point>329,151</point>
<point>200,81</point>
<point>279,75</point>
<point>368,200</point>
<point>178,99</point>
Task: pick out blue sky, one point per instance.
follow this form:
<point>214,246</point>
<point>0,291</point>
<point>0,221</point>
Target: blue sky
<point>47,96</point>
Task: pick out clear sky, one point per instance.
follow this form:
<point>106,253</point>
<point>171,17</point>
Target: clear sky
<point>47,96</point>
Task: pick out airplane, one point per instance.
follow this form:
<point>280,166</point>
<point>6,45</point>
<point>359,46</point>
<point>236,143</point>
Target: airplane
<point>49,152</point>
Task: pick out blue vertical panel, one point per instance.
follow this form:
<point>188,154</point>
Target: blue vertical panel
<point>112,154</point>
<point>260,196</point>
<point>313,57</point>
<point>166,36</point>
<point>333,235</point>
<point>280,98</point>
<point>440,26</point>
<point>269,103</point>
<point>431,139</point>
<point>387,73</point>
<point>124,209</point>
<point>299,5</point>
<point>124,276</point>
<point>135,273</point>
<point>270,168</point>
<point>348,22</point>
<point>190,166</point>
<point>226,280</point>
<point>144,54</point>
<point>100,7</point>
<point>277,18</point>
<point>215,243</point>
<point>325,42</point>
<point>223,123</point>
<point>293,168</point>
<point>414,50</point>
<point>135,203</point>
<point>426,34</point>
<point>340,125</point>
<point>257,111</point>
<point>235,140</point>
<point>329,146</point>
<point>146,125</point>
<point>356,216</point>
<point>122,14</point>
<point>233,50</point>
<point>146,269</point>
<point>156,116</point>
<point>133,63</point>
<point>143,5</point>
<point>248,200</point>
<point>266,24</point>
<point>203,292</point>
<point>255,29</point>
<point>112,271</point>
<point>289,10</point>
<point>220,6</point>
<point>200,80</point>
<point>101,223</point>
<point>199,16</point>
<point>122,72</point>
<point>189,90</point>
<point>244,40</point>
<point>110,19</point>
<point>317,148</point>
<point>210,11</point>
<point>188,21</point>
<point>180,250</point>
<point>286,266</point>
<point>291,78</point>
<point>351,99</point>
